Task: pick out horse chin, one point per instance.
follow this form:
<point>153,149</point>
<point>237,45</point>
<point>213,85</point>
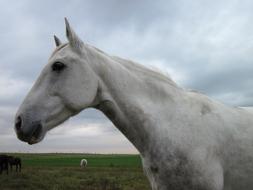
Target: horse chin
<point>34,140</point>
<point>37,136</point>
<point>41,128</point>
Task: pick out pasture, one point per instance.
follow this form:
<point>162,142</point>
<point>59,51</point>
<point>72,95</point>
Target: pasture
<point>62,171</point>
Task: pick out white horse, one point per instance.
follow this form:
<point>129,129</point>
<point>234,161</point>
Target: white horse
<point>83,163</point>
<point>186,140</point>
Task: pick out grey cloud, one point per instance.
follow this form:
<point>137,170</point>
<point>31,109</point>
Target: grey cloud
<point>208,43</point>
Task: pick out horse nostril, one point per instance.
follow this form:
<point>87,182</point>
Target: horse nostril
<point>18,123</point>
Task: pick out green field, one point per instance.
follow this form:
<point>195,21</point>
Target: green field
<point>62,171</point>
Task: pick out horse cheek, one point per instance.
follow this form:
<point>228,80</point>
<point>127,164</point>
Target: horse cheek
<point>81,92</point>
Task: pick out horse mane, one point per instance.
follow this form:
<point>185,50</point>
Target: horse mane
<point>136,67</point>
<point>146,70</point>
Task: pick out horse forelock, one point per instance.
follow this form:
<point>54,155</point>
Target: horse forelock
<point>57,49</point>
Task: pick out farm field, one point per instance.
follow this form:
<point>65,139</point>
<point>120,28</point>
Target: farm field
<point>62,171</point>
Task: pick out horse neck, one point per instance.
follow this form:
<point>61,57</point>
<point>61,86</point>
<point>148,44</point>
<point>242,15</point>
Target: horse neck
<point>130,96</point>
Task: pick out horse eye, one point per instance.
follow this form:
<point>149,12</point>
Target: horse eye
<point>58,66</point>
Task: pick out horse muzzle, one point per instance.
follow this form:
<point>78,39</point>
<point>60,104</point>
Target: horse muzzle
<point>32,133</point>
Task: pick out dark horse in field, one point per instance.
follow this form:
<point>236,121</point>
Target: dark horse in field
<point>16,162</point>
<point>4,163</point>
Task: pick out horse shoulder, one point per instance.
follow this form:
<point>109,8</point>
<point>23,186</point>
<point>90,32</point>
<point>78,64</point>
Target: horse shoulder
<point>180,169</point>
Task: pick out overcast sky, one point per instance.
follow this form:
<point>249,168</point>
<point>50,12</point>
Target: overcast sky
<point>203,45</point>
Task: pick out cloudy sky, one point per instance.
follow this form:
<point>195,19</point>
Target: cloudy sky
<point>204,45</point>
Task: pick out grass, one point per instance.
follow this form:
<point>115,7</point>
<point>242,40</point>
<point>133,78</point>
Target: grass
<point>62,171</point>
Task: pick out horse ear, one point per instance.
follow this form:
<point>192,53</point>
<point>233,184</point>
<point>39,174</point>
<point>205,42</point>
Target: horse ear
<point>57,41</point>
<point>73,39</point>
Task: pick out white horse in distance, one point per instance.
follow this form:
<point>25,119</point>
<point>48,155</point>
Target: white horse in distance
<point>186,140</point>
<point>83,163</point>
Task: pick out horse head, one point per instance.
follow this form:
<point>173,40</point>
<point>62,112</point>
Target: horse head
<point>66,85</point>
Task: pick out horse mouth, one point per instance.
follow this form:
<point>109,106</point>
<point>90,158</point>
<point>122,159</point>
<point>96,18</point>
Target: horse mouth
<point>37,134</point>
